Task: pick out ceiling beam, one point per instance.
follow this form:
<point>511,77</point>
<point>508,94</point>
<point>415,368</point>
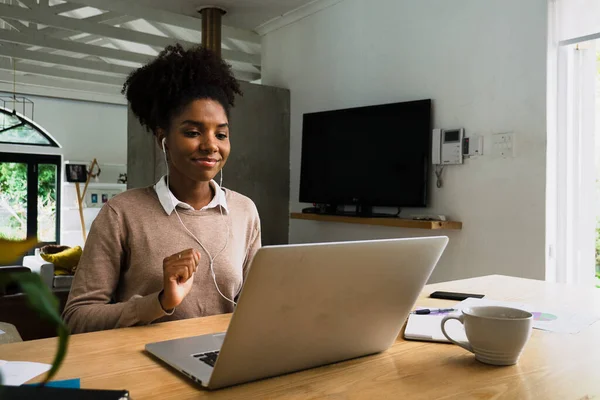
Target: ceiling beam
<point>65,8</point>
<point>18,25</point>
<point>165,31</point>
<point>74,24</point>
<point>61,88</point>
<point>78,25</point>
<point>22,54</point>
<point>246,76</point>
<point>6,64</point>
<point>239,56</point>
<point>109,18</point>
<point>49,82</point>
<point>95,39</point>
<point>38,39</point>
<point>184,21</point>
<point>34,3</point>
<point>29,3</point>
<point>231,55</point>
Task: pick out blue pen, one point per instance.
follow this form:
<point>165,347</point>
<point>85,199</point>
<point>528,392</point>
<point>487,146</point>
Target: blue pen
<point>433,311</point>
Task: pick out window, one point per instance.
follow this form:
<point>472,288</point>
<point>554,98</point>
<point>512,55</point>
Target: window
<point>30,196</point>
<point>571,173</point>
<point>18,129</point>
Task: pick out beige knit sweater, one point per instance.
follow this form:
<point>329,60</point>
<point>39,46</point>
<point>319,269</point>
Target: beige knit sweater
<point>120,274</point>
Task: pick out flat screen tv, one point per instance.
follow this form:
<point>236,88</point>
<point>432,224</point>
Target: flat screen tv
<point>367,156</point>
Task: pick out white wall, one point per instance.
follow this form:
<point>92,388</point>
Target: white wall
<point>484,65</point>
<point>84,129</point>
<point>578,18</point>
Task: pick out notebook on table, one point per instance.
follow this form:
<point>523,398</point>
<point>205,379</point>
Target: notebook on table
<point>428,328</point>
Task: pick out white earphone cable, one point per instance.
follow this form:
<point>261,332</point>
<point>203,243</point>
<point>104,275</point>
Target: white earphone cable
<point>210,258</point>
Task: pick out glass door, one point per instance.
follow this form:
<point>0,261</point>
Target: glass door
<point>47,205</point>
<point>13,200</point>
<point>30,197</point>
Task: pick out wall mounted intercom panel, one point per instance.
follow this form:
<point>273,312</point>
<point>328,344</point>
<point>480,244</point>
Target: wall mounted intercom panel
<point>447,146</point>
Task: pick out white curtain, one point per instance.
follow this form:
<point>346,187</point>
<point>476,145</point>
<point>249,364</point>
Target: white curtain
<point>571,173</point>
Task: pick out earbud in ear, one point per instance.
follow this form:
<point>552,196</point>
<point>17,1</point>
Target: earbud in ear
<point>163,145</point>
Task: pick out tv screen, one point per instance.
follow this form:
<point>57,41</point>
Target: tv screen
<point>368,156</point>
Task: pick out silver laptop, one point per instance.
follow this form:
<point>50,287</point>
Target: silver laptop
<point>308,305</point>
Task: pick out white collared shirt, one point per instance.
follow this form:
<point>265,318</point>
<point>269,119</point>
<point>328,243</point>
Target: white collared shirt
<point>169,201</point>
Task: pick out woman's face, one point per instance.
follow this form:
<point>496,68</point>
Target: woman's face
<point>198,140</point>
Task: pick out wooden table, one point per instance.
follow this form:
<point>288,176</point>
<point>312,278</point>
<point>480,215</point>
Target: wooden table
<point>553,366</point>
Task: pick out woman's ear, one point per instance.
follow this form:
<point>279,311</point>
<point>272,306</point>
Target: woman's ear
<point>160,138</point>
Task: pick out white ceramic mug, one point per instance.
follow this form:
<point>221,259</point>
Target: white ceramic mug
<point>497,335</point>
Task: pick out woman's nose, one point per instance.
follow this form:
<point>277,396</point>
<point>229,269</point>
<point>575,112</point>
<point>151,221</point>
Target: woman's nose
<point>208,143</point>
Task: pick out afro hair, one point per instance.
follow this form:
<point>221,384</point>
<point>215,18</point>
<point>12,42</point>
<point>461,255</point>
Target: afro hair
<point>160,89</point>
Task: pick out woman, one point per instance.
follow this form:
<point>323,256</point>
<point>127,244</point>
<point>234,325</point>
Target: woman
<point>180,248</point>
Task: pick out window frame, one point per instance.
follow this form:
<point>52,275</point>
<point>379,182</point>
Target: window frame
<point>32,161</point>
<point>26,121</point>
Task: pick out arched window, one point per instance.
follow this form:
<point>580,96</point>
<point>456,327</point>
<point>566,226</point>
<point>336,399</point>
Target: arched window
<point>16,128</point>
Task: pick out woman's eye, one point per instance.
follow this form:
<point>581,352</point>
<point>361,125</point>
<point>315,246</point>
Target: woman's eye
<point>192,134</point>
<point>221,136</point>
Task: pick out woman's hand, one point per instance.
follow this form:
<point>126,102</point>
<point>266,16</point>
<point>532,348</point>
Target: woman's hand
<point>178,277</point>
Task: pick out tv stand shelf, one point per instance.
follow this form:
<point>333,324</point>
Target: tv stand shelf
<point>391,221</point>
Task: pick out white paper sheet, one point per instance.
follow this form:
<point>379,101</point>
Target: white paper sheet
<point>544,318</point>
<point>15,373</point>
<point>2,332</point>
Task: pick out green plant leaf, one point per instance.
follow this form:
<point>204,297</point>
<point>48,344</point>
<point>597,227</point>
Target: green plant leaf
<point>40,299</point>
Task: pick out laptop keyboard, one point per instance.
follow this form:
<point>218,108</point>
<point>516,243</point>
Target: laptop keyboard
<point>209,358</point>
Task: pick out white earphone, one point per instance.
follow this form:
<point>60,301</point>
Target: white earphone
<point>210,258</point>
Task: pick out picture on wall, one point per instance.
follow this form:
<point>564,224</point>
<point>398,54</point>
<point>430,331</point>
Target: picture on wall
<point>94,198</point>
<point>104,197</point>
<point>76,173</point>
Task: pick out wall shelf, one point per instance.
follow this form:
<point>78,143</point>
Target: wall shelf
<point>99,185</point>
<point>391,221</point>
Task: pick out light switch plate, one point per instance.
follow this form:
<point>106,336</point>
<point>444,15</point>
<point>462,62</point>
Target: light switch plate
<point>503,145</point>
<point>474,146</point>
